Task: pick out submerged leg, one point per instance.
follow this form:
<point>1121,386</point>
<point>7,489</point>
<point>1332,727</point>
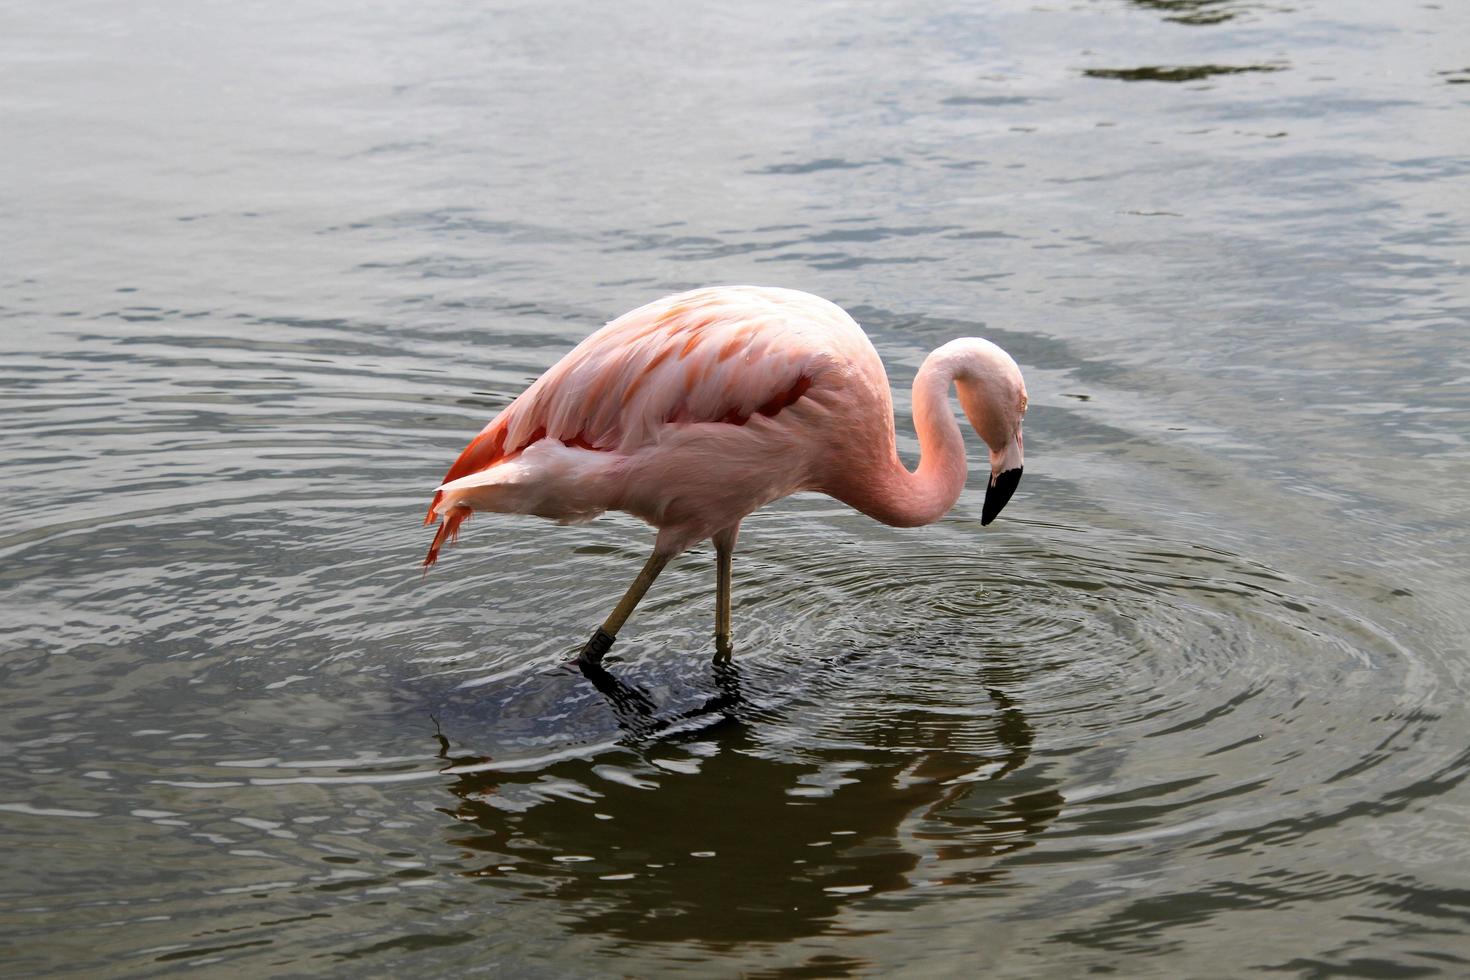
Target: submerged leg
<point>602,638</point>
<point>724,553</point>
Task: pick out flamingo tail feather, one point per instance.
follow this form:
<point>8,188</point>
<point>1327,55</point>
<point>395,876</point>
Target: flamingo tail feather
<point>448,532</point>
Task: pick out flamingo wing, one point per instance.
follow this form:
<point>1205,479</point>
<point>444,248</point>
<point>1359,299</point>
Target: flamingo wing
<point>712,355</point>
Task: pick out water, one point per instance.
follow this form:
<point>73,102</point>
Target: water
<point>1196,703</point>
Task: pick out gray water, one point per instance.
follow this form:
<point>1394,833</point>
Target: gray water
<point>1195,705</point>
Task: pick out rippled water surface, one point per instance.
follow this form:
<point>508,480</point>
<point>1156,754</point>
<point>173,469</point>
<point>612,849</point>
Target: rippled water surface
<point>1195,705</point>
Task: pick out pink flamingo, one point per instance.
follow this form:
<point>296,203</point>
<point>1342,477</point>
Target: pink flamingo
<point>697,409</point>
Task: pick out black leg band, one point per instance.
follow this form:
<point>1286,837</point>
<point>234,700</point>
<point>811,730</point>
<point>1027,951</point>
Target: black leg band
<point>599,644</point>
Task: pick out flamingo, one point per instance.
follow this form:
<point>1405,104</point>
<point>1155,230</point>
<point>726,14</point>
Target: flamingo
<point>697,409</point>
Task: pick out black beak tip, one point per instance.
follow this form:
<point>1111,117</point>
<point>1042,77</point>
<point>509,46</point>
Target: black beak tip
<point>999,491</point>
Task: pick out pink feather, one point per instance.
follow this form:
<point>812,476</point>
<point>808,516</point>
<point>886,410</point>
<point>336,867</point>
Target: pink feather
<point>695,410</point>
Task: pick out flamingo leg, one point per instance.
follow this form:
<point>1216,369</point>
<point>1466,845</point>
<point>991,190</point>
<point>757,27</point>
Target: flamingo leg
<point>724,555</point>
<point>603,637</point>
<point>722,603</point>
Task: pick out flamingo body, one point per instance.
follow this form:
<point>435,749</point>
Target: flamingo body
<point>697,409</point>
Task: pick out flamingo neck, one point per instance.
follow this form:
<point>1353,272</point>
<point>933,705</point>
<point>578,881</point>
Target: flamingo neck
<point>894,495</point>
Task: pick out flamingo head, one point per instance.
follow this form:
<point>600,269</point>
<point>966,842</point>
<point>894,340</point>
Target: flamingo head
<point>993,395</point>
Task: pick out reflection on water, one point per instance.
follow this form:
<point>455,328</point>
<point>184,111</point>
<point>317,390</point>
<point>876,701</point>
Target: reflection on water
<point>1174,73</point>
<point>702,837</point>
<point>1196,12</point>
<point>1194,706</point>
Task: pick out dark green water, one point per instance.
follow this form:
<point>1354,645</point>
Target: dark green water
<point>1195,706</point>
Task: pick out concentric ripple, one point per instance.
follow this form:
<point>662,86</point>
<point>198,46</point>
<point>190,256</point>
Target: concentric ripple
<point>919,712</point>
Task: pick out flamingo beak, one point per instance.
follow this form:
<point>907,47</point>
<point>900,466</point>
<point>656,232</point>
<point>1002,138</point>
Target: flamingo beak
<point>1002,485</point>
<point>1005,476</point>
